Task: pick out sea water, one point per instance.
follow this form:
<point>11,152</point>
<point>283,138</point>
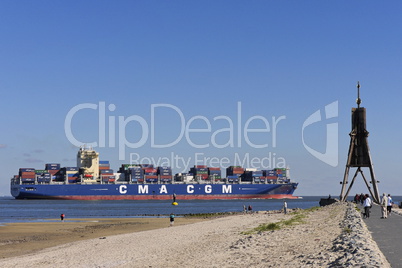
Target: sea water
<point>12,210</point>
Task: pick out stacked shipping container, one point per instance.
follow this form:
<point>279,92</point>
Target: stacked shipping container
<point>254,176</point>
<point>71,174</point>
<point>200,172</point>
<point>53,169</point>
<point>27,175</point>
<point>215,173</point>
<point>136,173</point>
<point>233,173</point>
<point>105,173</point>
<point>270,175</point>
<point>150,173</point>
<point>43,176</point>
<point>146,173</point>
<point>165,174</point>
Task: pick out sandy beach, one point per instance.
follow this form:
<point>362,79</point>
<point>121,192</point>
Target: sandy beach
<point>24,238</point>
<point>314,238</point>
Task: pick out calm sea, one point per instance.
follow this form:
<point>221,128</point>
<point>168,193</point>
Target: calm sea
<point>12,210</point>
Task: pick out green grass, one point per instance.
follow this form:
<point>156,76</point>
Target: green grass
<point>347,230</point>
<point>267,227</point>
<point>298,218</point>
<point>312,209</point>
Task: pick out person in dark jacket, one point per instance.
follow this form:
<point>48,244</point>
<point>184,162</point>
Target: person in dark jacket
<point>171,217</point>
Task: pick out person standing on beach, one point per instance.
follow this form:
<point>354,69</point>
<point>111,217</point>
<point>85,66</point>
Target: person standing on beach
<point>171,217</point>
<point>285,207</point>
<point>250,209</point>
<point>389,206</point>
<point>384,203</point>
<point>244,209</point>
<point>62,217</point>
<point>367,205</point>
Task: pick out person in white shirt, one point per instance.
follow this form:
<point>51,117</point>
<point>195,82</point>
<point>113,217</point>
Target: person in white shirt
<point>384,204</point>
<point>285,207</point>
<point>389,206</point>
<point>367,205</point>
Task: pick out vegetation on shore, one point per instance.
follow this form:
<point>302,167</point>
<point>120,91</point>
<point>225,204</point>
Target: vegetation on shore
<point>298,218</point>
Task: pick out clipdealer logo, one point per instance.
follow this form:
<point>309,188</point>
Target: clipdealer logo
<point>112,133</point>
<point>238,131</point>
<point>330,156</point>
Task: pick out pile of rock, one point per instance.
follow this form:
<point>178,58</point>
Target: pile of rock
<point>355,245</point>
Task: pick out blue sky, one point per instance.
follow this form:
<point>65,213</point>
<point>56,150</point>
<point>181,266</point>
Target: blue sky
<point>199,62</point>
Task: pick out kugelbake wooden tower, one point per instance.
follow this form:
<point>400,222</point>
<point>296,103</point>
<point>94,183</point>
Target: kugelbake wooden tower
<point>359,153</point>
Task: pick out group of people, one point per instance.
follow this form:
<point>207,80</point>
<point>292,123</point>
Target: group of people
<point>365,200</point>
<point>386,205</point>
<point>249,209</point>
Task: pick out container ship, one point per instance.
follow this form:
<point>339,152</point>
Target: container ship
<point>93,179</point>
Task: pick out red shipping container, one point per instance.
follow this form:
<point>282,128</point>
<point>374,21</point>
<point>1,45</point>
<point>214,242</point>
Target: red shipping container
<point>27,176</point>
<point>271,177</point>
<point>150,170</point>
<point>103,168</point>
<point>200,166</point>
<point>27,173</point>
<point>165,177</point>
<point>214,168</point>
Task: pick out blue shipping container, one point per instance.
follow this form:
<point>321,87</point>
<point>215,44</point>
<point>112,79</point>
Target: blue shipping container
<point>103,171</point>
<point>52,166</point>
<point>27,170</point>
<point>70,168</point>
<point>169,168</point>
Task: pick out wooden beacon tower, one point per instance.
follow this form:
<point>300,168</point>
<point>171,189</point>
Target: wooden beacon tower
<point>359,152</point>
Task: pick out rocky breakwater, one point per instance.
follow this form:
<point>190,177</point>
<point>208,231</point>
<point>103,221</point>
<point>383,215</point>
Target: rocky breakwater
<point>355,246</point>
<point>330,236</point>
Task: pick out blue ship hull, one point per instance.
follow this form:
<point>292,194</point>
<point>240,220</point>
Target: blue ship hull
<point>152,191</point>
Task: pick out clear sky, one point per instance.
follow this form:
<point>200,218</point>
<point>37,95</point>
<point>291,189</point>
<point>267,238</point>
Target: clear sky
<point>186,82</point>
